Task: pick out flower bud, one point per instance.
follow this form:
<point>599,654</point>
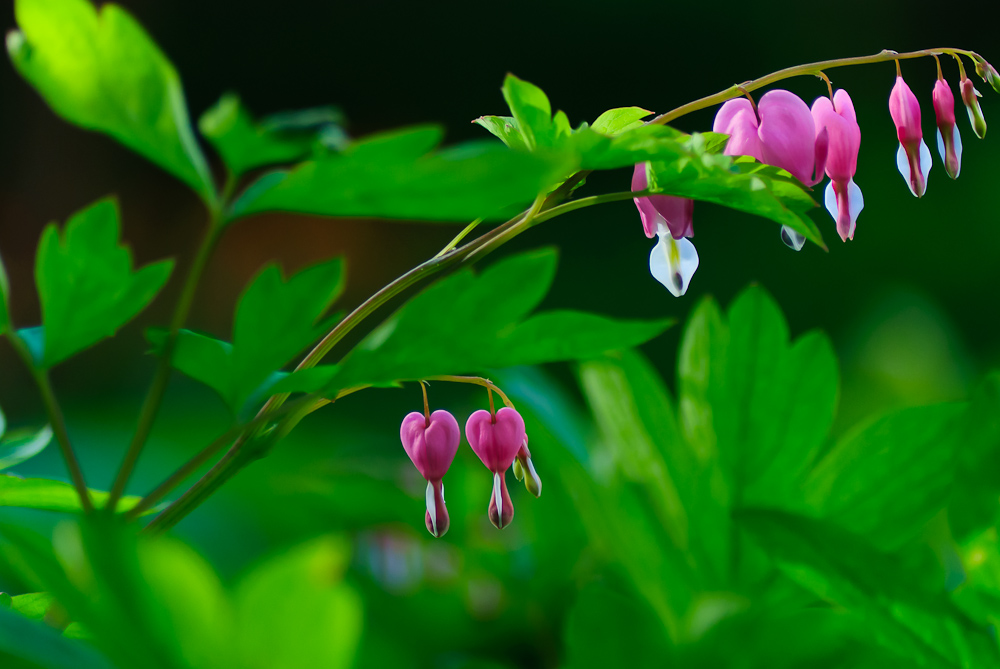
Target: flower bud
<point>532,481</point>
<point>949,140</point>
<point>987,72</point>
<point>970,96</point>
<point>913,158</point>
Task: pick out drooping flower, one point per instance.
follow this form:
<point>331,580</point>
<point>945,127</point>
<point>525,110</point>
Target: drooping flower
<point>843,198</point>
<point>780,132</point>
<point>970,96</point>
<point>674,260</point>
<point>949,140</point>
<point>432,442</point>
<point>525,469</point>
<point>496,439</point>
<point>913,158</point>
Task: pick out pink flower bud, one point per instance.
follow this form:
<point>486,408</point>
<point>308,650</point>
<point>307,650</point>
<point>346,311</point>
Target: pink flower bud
<point>496,440</point>
<point>970,96</point>
<point>843,198</point>
<point>432,444</point>
<point>913,158</point>
<point>949,140</point>
<point>987,72</point>
<point>674,260</point>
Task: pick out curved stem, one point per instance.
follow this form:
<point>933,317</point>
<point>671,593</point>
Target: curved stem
<point>475,380</point>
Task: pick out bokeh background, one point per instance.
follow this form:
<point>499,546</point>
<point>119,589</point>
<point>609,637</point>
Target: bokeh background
<point>911,304</point>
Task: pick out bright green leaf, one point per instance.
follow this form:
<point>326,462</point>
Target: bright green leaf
<point>530,107</point>
<point>505,128</point>
<point>294,610</point>
<point>21,445</point>
<point>397,175</point>
<point>619,120</point>
<point>86,283</point>
<point>100,70</point>
<point>34,605</point>
<point>48,495</point>
<point>245,144</point>
<point>973,506</point>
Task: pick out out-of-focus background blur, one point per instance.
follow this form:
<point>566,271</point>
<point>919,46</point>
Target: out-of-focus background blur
<point>910,304</point>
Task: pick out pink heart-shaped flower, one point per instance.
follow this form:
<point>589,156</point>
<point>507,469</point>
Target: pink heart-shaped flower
<point>431,444</point>
<point>495,440</point>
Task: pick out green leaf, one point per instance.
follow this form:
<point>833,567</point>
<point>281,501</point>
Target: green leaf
<point>894,597</point>
<point>86,283</point>
<point>276,319</point>
<point>505,128</point>
<point>619,120</point>
<point>48,495</point>
<point>21,445</point>
<point>973,506</point>
<point>4,299</point>
<point>245,144</point>
<point>397,175</point>
<point>531,109</point>
<point>309,380</point>
<point>469,323</point>
<point>101,71</point>
<point>281,602</point>
<point>3,423</point>
<point>33,605</point>
<point>886,478</point>
<point>35,642</point>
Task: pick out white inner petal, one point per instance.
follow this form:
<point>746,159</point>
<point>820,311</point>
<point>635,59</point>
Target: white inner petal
<point>498,498</point>
<point>792,239</point>
<point>925,161</point>
<point>830,200</point>
<point>857,201</point>
<point>957,137</point>
<point>432,507</point>
<point>903,163</point>
<point>941,152</point>
<point>673,262</point>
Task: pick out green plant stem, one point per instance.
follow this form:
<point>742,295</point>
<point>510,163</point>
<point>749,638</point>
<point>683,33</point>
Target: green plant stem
<point>475,380</point>
<point>814,69</point>
<point>459,237</point>
<point>154,397</point>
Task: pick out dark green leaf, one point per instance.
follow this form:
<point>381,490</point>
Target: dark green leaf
<point>276,319</point>
<point>86,283</point>
<point>619,120</point>
<point>48,495</point>
<point>471,323</point>
<point>100,70</point>
<point>36,642</point>
<point>887,478</point>
<point>895,598</point>
<point>973,505</point>
<point>310,380</point>
<point>396,175</point>
<point>245,144</point>
<point>21,445</point>
<point>33,605</point>
<point>505,128</point>
<point>283,600</point>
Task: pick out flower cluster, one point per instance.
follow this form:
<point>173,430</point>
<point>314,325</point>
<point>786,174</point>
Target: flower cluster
<point>810,143</point>
<point>497,437</point>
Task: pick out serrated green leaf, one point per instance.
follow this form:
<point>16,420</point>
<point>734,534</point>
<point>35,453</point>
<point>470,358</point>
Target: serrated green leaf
<point>892,596</point>
<point>294,592</point>
<point>618,120</point>
<point>100,70</point>
<point>245,144</point>
<point>397,175</point>
<point>86,282</point>
<point>468,323</point>
<point>276,319</point>
<point>886,478</point>
<point>505,128</point>
<point>4,309</point>
<point>49,495</point>
<point>32,605</point>
<point>22,445</point>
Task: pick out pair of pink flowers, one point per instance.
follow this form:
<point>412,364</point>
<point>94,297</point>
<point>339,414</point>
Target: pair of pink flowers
<point>498,439</point>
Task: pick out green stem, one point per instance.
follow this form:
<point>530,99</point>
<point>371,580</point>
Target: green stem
<point>459,237</point>
<point>814,69</point>
<point>57,420</point>
<point>154,397</point>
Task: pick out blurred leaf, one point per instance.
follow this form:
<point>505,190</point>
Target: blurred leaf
<point>275,320</point>
<point>888,594</point>
<point>86,283</point>
<point>48,495</point>
<point>4,299</point>
<point>22,445</point>
<point>886,478</point>
<point>32,605</point>
<point>424,338</point>
<point>100,70</point>
<point>397,175</point>
<point>294,610</point>
<point>3,423</point>
<point>38,644</point>
<point>309,380</point>
<point>974,497</point>
<point>245,144</point>
<point>505,128</point>
<point>619,120</point>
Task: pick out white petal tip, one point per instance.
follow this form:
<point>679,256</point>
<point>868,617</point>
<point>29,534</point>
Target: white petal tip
<point>673,262</point>
<point>792,239</point>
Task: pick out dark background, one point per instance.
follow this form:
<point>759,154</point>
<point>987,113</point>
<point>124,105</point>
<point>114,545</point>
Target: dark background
<point>911,304</point>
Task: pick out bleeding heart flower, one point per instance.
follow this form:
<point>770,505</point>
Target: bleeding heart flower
<point>496,439</point>
<point>949,140</point>
<point>674,260</point>
<point>431,442</point>
<point>913,158</point>
<point>843,198</point>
